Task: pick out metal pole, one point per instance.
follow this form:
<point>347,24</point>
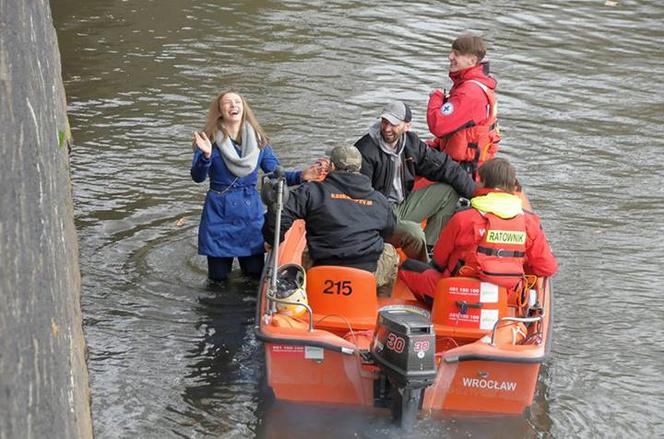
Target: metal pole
<point>275,246</point>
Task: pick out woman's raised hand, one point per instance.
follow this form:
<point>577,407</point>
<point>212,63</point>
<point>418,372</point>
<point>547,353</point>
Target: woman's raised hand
<point>203,143</point>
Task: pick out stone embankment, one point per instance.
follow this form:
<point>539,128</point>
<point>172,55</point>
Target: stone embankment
<point>44,390</point>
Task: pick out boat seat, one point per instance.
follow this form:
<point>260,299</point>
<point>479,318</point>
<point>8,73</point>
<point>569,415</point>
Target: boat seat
<point>465,308</point>
<point>341,297</point>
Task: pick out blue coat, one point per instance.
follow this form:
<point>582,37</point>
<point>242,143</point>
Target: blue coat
<point>232,216</point>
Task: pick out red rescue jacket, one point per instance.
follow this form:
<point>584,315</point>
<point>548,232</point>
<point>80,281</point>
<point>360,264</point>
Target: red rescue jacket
<point>500,254</point>
<point>465,122</point>
<point>489,240</point>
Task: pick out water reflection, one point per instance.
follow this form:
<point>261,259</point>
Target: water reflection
<point>286,420</point>
<point>220,390</point>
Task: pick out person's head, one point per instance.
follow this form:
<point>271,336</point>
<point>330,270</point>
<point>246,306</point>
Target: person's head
<point>346,159</point>
<point>394,121</point>
<point>467,50</point>
<point>498,173</point>
<point>229,108</point>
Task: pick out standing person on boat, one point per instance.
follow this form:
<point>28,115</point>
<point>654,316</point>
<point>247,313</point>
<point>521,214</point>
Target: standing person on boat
<point>392,157</point>
<point>464,122</point>
<point>347,221</point>
<point>230,150</point>
<point>493,239</point>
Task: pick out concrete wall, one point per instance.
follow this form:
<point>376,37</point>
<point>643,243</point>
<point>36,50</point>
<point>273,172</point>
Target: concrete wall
<point>44,389</point>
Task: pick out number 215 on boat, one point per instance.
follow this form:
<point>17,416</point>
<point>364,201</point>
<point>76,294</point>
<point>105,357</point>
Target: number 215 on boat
<point>342,287</point>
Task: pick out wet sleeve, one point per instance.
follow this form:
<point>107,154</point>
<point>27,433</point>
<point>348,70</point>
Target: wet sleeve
<point>200,166</point>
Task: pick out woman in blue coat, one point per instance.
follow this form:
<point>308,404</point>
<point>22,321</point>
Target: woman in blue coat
<point>230,150</point>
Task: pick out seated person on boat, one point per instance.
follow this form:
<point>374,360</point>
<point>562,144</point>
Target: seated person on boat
<point>392,156</point>
<point>346,220</point>
<point>493,239</point>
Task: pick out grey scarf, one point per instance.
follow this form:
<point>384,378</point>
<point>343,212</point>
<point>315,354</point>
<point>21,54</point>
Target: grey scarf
<point>245,163</point>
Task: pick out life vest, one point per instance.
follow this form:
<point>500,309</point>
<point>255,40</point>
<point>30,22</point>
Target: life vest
<point>500,254</point>
<point>472,144</point>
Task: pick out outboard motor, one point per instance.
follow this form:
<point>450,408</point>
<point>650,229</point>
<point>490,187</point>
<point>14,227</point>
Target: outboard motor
<point>404,346</point>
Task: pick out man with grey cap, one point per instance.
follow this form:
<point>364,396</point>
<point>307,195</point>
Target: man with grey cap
<point>392,156</point>
<point>347,221</point>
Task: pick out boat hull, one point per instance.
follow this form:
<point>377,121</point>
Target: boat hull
<point>329,365</point>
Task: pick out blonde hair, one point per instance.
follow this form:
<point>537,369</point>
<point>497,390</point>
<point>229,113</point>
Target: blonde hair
<point>215,120</point>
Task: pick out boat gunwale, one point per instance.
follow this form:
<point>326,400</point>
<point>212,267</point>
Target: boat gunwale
<point>545,345</point>
<point>262,336</point>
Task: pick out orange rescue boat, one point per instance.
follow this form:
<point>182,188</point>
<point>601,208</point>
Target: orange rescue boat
<point>477,350</point>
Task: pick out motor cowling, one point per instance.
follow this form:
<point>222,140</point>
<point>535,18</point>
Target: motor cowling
<point>403,346</point>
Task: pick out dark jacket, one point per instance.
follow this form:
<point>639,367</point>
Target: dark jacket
<point>418,160</point>
<point>347,221</point>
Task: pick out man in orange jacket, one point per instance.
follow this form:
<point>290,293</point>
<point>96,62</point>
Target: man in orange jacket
<point>494,239</point>
<point>464,122</point>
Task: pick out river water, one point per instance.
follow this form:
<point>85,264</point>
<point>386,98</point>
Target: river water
<point>581,109</point>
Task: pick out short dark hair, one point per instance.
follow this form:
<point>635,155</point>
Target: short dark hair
<point>469,44</point>
<point>498,173</point>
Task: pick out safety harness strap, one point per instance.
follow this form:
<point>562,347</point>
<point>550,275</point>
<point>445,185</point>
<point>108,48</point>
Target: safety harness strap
<point>500,252</point>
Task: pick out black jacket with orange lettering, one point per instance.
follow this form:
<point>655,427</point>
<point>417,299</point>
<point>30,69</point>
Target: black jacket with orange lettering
<point>346,220</point>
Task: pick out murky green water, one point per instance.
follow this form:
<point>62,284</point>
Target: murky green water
<point>581,109</point>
